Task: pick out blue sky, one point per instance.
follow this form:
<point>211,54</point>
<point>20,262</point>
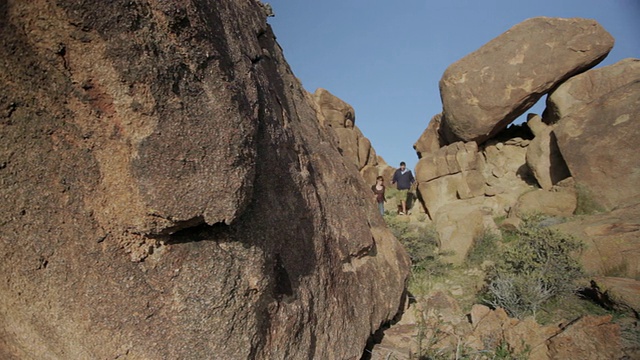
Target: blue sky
<point>386,58</point>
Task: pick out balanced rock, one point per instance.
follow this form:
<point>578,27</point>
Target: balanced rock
<point>168,193</point>
<point>486,90</point>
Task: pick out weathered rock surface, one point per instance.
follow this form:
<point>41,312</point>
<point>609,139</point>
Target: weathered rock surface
<point>580,90</point>
<point>612,242</point>
<point>551,203</point>
<point>430,140</point>
<point>544,159</point>
<point>338,118</point>
<point>591,337</point>
<point>624,292</point>
<point>333,111</point>
<point>168,193</point>
<point>452,172</point>
<point>441,328</point>
<point>458,224</point>
<point>599,145</point>
<point>486,90</point>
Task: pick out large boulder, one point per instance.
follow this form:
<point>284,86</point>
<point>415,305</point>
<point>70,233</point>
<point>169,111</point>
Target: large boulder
<point>458,224</point>
<point>598,143</point>
<point>580,90</point>
<point>552,203</point>
<point>168,193</point>
<point>612,245</point>
<point>486,90</point>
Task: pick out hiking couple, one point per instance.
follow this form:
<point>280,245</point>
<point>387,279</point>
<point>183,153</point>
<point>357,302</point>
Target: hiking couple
<point>404,180</point>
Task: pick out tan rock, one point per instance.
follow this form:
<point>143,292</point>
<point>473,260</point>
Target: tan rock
<point>553,203</point>
<point>612,245</point>
<point>446,306</point>
<point>441,191</point>
<point>598,144</point>
<point>623,291</point>
<point>481,96</point>
<point>489,328</point>
<point>334,112</point>
<point>458,224</point>
<point>528,334</point>
<point>478,312</point>
<point>535,124</point>
<point>580,90</point>
<point>429,142</point>
<point>348,144</point>
<point>591,337</point>
<point>369,174</point>
<point>511,224</point>
<point>545,161</point>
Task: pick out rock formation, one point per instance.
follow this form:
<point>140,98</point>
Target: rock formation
<point>339,118</point>
<point>489,88</point>
<point>580,157</point>
<point>168,192</point>
<point>583,141</point>
<point>580,90</point>
<point>598,141</point>
<point>543,156</point>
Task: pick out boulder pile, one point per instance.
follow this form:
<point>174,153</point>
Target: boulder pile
<point>578,157</point>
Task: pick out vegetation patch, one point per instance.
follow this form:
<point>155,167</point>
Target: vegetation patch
<point>586,204</point>
<point>538,265</point>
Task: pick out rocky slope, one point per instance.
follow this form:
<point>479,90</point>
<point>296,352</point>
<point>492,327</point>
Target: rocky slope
<point>168,192</point>
<point>577,164</point>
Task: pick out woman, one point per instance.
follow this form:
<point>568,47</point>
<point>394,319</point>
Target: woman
<point>378,193</point>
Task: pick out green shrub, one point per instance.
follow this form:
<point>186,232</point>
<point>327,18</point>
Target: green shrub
<point>536,266</point>
<point>484,248</point>
<point>421,243</point>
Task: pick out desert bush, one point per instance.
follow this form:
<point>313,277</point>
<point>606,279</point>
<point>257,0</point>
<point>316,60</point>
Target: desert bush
<point>537,265</point>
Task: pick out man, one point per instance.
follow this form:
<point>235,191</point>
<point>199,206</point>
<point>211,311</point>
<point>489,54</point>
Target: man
<point>404,178</point>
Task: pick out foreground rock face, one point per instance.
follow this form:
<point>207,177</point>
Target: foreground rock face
<point>489,88</point>
<point>168,192</point>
